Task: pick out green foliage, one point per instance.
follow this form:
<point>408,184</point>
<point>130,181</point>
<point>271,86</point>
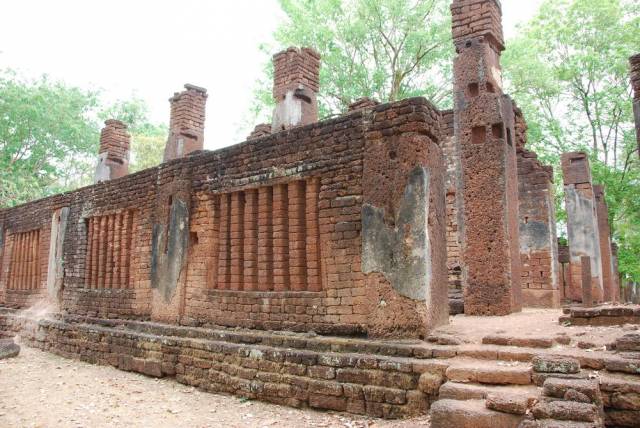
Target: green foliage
<point>49,136</point>
<point>383,49</point>
<point>568,71</point>
<point>147,139</point>
<point>46,134</point>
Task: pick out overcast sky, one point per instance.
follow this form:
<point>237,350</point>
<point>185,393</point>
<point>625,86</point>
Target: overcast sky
<point>152,47</point>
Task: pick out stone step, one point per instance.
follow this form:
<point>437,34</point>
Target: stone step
<point>543,342</point>
<point>469,414</point>
<point>489,372</point>
<point>553,423</point>
<point>473,391</point>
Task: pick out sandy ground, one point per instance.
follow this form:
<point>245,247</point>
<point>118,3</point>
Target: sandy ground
<point>39,389</point>
<point>531,323</point>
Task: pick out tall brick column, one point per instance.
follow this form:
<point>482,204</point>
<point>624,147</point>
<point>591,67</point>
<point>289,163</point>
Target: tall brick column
<point>582,223</point>
<point>113,155</point>
<point>295,88</point>
<point>487,190</point>
<point>186,124</point>
<point>616,273</point>
<point>604,230</point>
<point>635,83</point>
<point>538,238</point>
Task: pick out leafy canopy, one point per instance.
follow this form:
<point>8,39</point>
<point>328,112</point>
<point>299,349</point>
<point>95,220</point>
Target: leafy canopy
<point>382,49</point>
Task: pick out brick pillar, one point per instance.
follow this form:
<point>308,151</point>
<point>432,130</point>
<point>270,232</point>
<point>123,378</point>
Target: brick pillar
<point>616,273</point>
<point>487,190</point>
<point>582,223</point>
<point>538,238</point>
<point>186,124</point>
<point>604,231</point>
<point>113,155</point>
<point>452,163</point>
<point>295,88</point>
<point>635,83</point>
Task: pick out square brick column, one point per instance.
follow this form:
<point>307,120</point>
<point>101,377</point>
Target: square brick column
<point>295,88</point>
<point>113,155</point>
<point>186,124</point>
<point>452,163</point>
<point>604,231</point>
<point>634,61</point>
<point>538,238</point>
<point>487,190</point>
<point>582,224</point>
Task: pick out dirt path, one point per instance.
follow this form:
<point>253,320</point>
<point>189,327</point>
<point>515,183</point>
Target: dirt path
<point>39,389</point>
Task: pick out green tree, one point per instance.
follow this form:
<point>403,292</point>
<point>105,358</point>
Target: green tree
<point>147,139</point>
<point>47,137</point>
<point>49,134</point>
<point>383,49</point>
<point>569,73</point>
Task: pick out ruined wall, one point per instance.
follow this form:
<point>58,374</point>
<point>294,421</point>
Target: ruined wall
<point>634,61</point>
<point>610,293</point>
<point>280,232</point>
<point>582,224</point>
<point>538,239</point>
<point>487,191</point>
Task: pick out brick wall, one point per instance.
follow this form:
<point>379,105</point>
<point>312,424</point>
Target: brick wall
<point>540,274</point>
<point>272,235</point>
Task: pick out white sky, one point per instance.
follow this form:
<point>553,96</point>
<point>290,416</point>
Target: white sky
<point>151,48</point>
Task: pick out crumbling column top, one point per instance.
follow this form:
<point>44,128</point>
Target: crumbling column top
<point>575,168</point>
<point>363,103</point>
<point>477,19</point>
<point>189,88</point>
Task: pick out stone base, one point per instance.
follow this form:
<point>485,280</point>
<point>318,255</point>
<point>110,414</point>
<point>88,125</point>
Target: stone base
<point>602,316</point>
<point>540,298</point>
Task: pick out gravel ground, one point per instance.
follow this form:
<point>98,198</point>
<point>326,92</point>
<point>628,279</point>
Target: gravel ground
<point>38,389</point>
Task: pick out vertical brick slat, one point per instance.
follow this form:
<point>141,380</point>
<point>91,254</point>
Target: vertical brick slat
<point>297,239</point>
<point>265,239</point>
<point>127,253</point>
<point>224,253</point>
<point>236,226</point>
<point>22,263</point>
<point>313,235</point>
<point>250,259</point>
<point>109,265</point>
<point>38,265</point>
<point>87,262</point>
<point>14,260</point>
<point>212,281</point>
<point>33,264</point>
<point>102,254</point>
<point>280,238</point>
<point>95,221</point>
<point>117,248</point>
